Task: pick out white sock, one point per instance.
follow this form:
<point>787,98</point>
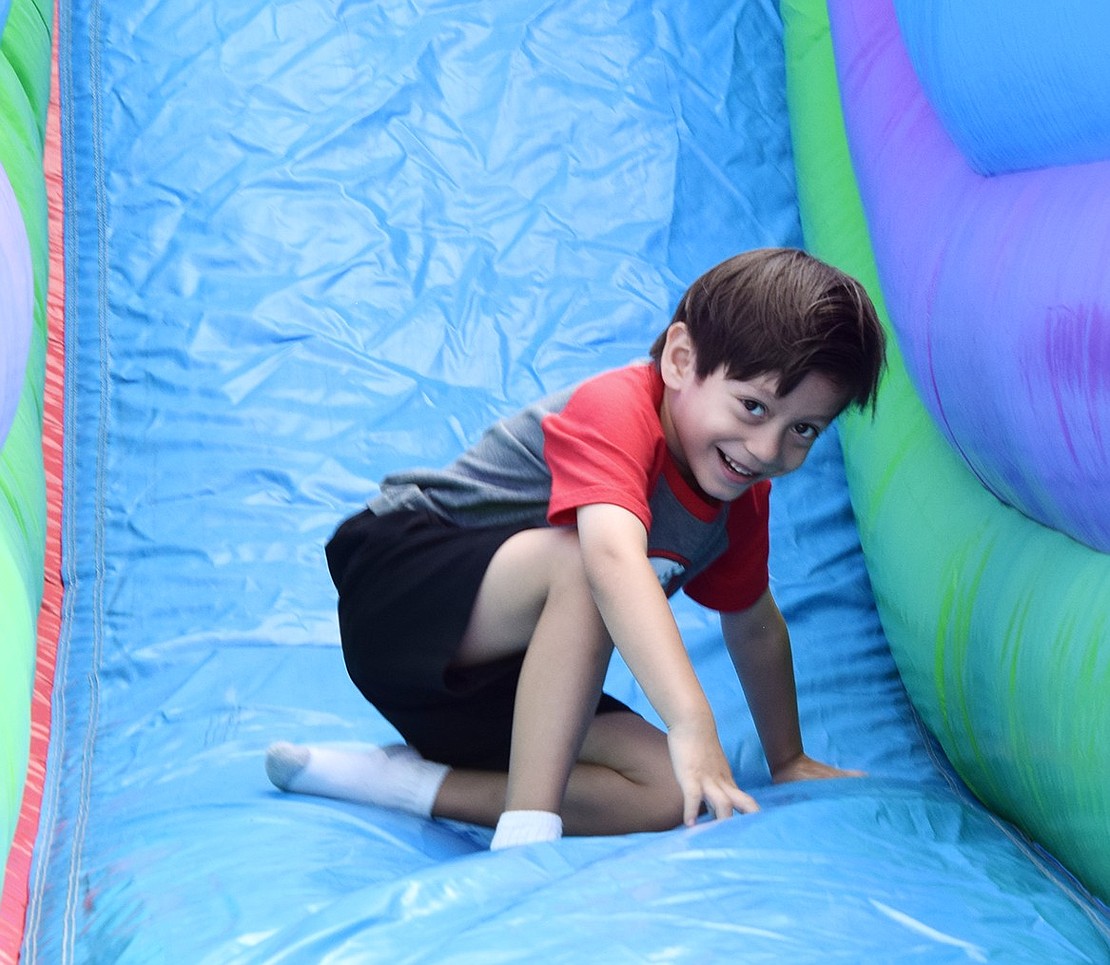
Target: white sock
<point>526,827</point>
<point>393,777</point>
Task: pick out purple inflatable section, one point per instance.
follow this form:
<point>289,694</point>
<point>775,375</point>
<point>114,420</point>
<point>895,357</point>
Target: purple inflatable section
<point>997,286</point>
<point>16,303</point>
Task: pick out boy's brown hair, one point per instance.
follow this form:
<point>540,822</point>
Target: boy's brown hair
<point>781,310</point>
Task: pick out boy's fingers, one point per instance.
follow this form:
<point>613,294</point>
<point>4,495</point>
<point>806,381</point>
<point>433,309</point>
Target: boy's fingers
<point>691,805</point>
<point>727,800</point>
<point>744,803</point>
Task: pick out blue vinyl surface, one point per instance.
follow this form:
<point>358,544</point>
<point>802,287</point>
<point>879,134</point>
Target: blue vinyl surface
<point>311,242</point>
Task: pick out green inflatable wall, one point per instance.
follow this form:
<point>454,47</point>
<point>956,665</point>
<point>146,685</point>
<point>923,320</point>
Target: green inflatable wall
<point>999,626</point>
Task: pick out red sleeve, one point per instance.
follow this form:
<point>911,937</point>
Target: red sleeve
<point>605,446</point>
<point>738,578</point>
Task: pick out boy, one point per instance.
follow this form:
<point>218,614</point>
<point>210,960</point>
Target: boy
<point>478,605</point>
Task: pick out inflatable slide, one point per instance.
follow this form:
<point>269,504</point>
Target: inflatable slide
<point>282,249</point>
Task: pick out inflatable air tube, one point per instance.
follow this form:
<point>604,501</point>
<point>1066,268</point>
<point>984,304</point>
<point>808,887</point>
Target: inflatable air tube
<point>1018,85</point>
<point>999,625</point>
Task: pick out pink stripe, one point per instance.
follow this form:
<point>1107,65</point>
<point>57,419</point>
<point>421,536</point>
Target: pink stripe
<point>13,902</point>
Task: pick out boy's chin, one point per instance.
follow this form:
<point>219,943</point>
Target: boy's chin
<point>729,492</point>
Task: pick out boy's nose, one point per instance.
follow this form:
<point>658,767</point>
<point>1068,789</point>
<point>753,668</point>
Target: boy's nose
<point>766,446</point>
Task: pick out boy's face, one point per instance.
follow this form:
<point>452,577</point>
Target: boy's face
<point>728,434</point>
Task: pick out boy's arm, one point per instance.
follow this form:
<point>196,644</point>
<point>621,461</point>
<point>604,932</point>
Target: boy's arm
<point>639,620</point>
<point>759,644</point>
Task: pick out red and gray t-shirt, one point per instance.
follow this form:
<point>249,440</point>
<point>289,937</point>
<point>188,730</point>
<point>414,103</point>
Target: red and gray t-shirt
<point>602,442</point>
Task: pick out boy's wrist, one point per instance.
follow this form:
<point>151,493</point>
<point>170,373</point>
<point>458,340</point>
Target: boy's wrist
<point>696,720</point>
<point>784,761</point>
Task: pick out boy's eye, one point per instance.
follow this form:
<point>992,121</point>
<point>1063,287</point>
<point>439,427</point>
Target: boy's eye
<point>754,407</point>
<point>807,431</point>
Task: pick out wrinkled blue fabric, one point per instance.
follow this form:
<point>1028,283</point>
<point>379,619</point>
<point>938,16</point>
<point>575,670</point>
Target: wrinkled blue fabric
<point>313,242</point>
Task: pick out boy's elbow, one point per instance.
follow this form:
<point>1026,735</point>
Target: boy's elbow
<point>612,538</point>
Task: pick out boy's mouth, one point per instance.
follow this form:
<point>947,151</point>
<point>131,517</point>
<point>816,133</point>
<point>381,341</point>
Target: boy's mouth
<point>734,467</point>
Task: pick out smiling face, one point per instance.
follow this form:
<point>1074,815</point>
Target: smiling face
<point>727,434</point>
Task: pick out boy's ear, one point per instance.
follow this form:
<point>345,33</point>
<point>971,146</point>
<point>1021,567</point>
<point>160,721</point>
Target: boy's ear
<point>676,362</point>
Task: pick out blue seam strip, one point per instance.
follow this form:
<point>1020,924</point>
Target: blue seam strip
<point>50,831</point>
<point>96,614</point>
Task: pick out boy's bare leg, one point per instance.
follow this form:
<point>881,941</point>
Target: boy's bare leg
<point>535,597</point>
<point>560,683</point>
<point>622,783</point>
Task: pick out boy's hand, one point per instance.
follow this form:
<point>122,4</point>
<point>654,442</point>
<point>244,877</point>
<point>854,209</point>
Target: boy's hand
<point>703,773</point>
<point>804,768</point>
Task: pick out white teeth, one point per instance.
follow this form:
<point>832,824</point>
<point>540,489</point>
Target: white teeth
<point>735,466</point>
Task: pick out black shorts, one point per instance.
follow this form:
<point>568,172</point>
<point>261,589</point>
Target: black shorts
<point>407,582</point>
